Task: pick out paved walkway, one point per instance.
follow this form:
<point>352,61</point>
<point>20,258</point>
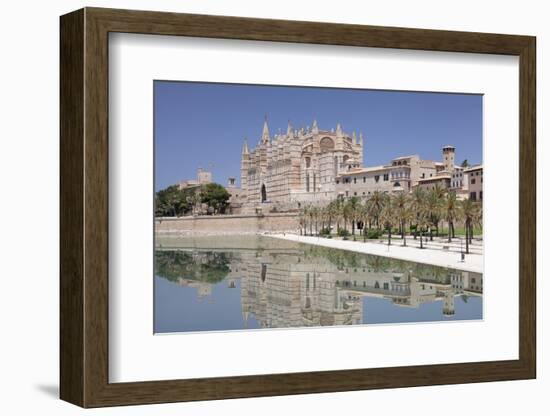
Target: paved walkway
<point>472,263</point>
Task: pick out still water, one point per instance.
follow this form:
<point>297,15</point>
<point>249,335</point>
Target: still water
<point>249,282</point>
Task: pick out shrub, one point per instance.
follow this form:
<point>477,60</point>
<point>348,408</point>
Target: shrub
<point>342,232</point>
<point>374,234</point>
<point>324,231</point>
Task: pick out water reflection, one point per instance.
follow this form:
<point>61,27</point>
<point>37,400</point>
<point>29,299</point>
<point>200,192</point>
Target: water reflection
<point>259,282</point>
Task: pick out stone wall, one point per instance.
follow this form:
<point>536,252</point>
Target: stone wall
<point>228,224</point>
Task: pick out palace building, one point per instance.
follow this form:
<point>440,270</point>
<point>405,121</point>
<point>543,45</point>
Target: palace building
<point>300,166</point>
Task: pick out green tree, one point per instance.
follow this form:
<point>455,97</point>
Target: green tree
<point>170,202</point>
<point>417,205</point>
<point>215,196</point>
<point>403,212</point>
<point>388,217</point>
<point>470,212</point>
<point>352,207</point>
<point>375,204</point>
<point>434,208</point>
<point>451,212</point>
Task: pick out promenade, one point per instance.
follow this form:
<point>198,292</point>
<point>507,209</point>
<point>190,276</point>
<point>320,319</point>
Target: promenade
<point>435,256</point>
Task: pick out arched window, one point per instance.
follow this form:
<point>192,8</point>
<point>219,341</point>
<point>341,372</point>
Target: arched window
<point>264,193</point>
<point>326,144</point>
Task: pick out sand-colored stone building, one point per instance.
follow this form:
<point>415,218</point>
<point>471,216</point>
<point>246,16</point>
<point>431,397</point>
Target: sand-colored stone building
<point>286,170</point>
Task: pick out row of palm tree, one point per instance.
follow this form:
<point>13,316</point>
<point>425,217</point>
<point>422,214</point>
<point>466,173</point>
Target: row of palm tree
<point>422,210</point>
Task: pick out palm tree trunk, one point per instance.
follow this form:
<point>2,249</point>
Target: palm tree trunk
<point>389,235</point>
<point>466,229</point>
<point>449,233</point>
<point>421,238</point>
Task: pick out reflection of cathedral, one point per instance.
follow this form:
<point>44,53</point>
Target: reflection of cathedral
<point>297,287</point>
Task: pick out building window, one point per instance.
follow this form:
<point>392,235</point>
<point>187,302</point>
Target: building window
<point>386,176</point>
<point>314,182</point>
<point>480,195</point>
<point>307,182</point>
<point>473,196</point>
<point>364,179</point>
<point>354,180</point>
<point>308,162</point>
<point>337,182</point>
<point>355,193</point>
<point>473,181</point>
<point>376,178</point>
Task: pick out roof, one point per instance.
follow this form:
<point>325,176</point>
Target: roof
<point>365,170</point>
<point>434,178</point>
<point>472,168</point>
<point>405,157</point>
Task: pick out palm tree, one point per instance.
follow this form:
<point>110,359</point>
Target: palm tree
<point>451,213</point>
<point>364,216</point>
<point>434,208</point>
<point>401,203</point>
<point>418,200</point>
<point>470,211</point>
<point>388,218</point>
<point>423,221</point>
<point>302,220</point>
<point>352,207</point>
<point>375,204</point>
<point>331,212</point>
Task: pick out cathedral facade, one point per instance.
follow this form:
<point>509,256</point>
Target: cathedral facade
<point>286,170</point>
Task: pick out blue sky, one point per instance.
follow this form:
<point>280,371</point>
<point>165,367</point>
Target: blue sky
<point>204,124</point>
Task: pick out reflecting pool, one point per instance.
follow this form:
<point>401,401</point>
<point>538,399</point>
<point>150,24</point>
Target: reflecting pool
<point>250,282</point>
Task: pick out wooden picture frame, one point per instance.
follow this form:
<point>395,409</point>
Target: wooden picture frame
<point>84,207</point>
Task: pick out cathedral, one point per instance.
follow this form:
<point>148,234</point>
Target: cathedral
<point>286,170</point>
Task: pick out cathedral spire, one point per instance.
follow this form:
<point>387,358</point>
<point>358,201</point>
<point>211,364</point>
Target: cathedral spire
<point>339,132</point>
<point>265,131</point>
<point>245,147</point>
<point>315,128</point>
<point>361,139</point>
<point>289,129</point>
<point>354,138</point>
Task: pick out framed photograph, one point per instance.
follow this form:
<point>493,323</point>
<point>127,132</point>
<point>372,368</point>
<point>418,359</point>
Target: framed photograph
<point>254,207</point>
